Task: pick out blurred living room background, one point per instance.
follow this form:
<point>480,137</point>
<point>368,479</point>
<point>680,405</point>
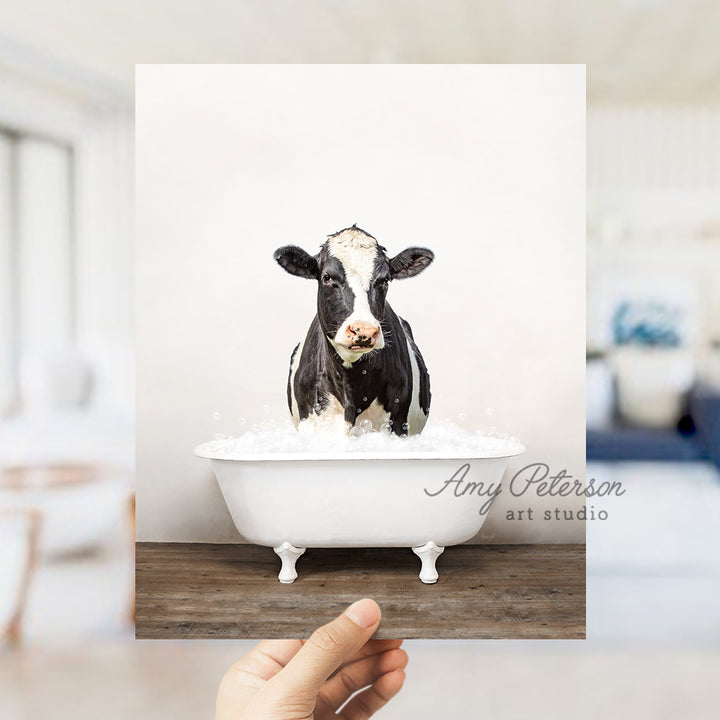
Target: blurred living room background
<point>653,367</point>
<point>66,343</point>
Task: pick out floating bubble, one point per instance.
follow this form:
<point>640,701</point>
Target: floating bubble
<point>216,416</point>
<point>242,422</point>
<point>366,425</point>
<point>359,410</point>
<point>356,432</point>
<point>386,427</point>
<point>397,400</point>
<point>364,399</point>
<point>489,411</point>
<point>461,417</point>
<point>405,426</point>
<point>364,372</point>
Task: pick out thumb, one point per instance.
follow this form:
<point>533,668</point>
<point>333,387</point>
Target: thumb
<point>328,648</point>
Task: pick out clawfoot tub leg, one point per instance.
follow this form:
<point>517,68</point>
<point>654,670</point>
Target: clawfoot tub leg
<point>288,554</point>
<point>428,554</point>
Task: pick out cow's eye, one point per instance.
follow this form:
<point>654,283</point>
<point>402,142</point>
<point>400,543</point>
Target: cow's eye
<point>327,279</point>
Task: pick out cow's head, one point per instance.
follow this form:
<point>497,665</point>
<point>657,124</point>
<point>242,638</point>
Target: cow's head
<point>353,273</point>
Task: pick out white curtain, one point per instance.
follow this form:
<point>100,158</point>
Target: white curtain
<point>37,268</point>
<point>45,255</point>
<point>8,347</point>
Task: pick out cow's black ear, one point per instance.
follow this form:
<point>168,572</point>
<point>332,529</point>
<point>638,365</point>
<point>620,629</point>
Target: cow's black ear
<point>297,262</point>
<point>410,262</point>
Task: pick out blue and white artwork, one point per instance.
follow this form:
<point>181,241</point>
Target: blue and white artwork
<point>651,323</point>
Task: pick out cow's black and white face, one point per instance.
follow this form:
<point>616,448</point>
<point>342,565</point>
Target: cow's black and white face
<point>353,273</point>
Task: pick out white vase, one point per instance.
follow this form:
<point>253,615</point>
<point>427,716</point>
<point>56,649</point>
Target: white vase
<point>652,383</point>
<point>599,394</point>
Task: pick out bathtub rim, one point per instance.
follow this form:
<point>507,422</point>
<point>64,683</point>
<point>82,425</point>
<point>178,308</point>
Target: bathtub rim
<point>370,456</point>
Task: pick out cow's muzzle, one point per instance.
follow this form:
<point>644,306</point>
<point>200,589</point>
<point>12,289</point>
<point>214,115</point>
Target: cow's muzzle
<point>362,336</point>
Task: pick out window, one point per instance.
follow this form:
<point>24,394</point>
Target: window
<point>37,265</point>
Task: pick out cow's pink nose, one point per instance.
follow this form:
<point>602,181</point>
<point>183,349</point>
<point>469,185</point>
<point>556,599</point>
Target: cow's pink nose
<point>363,333</point>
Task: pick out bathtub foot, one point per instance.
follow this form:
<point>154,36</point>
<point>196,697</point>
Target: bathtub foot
<point>428,554</point>
<point>288,554</point>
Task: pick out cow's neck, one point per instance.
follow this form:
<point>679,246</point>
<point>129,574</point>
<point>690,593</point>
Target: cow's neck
<point>351,384</point>
<point>343,371</point>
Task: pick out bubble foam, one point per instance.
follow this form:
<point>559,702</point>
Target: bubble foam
<point>439,439</point>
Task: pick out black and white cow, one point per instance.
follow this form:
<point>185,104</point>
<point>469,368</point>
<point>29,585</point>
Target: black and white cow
<point>358,360</point>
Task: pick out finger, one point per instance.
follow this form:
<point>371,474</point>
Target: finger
<point>365,704</point>
<point>281,651</point>
<point>327,649</point>
<point>264,661</point>
<point>374,647</point>
<point>251,672</point>
<point>358,675</point>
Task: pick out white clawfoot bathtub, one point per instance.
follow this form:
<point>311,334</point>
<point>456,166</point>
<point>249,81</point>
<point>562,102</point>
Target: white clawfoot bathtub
<point>292,502</point>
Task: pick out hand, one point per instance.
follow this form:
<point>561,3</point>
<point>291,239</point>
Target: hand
<point>312,679</point>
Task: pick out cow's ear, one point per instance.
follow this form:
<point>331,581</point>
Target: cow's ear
<point>297,262</point>
<point>410,262</point>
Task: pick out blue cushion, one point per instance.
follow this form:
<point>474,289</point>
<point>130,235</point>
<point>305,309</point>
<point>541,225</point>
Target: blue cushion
<point>625,443</point>
<point>704,405</point>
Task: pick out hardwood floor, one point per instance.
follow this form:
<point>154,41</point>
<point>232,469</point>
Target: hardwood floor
<point>190,590</point>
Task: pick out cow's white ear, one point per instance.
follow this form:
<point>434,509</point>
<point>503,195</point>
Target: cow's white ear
<point>297,262</point>
<point>410,262</point>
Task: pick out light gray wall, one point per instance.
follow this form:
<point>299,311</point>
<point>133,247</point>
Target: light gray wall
<point>484,164</point>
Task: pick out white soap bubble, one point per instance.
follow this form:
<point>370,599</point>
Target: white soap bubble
<point>242,422</point>
<point>364,399</point>
<point>364,372</point>
<point>397,400</point>
<point>461,417</point>
<point>405,426</point>
<point>329,436</point>
<point>216,416</point>
<point>489,411</point>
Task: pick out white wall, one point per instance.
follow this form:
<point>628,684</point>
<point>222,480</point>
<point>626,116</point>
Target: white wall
<point>104,256</point>
<point>483,164</point>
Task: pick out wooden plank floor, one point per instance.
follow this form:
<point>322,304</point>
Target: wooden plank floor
<point>190,590</point>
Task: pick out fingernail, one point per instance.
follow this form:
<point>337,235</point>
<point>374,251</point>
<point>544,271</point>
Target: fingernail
<point>364,612</point>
